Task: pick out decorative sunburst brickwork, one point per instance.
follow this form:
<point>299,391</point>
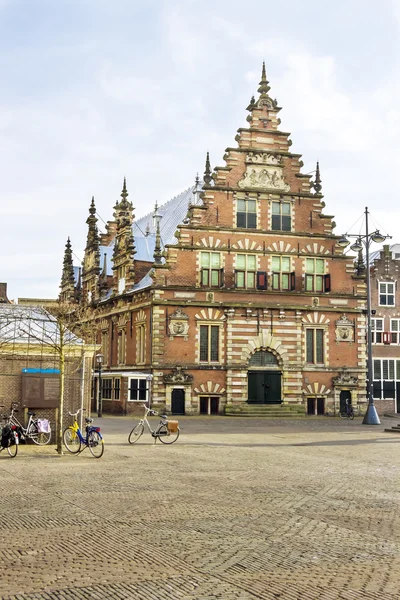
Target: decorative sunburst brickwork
<point>211,388</point>
<point>211,242</point>
<point>316,389</point>
<point>247,244</point>
<point>281,247</point>
<point>315,249</point>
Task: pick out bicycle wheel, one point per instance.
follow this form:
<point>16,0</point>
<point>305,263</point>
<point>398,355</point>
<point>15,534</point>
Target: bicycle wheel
<point>95,444</point>
<point>12,450</point>
<point>167,437</point>
<point>135,434</point>
<point>351,415</point>
<point>39,438</point>
<point>71,440</point>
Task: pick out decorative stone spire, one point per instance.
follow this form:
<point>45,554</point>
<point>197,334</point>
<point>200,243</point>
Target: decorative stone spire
<point>93,240</point>
<point>157,248</point>
<point>317,184</point>
<point>207,173</point>
<point>359,263</point>
<point>124,244</point>
<point>67,278</point>
<point>264,87</point>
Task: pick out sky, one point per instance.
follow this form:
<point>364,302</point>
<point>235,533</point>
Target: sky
<point>94,90</point>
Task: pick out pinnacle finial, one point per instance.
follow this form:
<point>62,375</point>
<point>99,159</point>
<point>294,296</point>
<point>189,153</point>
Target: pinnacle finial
<point>92,208</point>
<point>317,184</point>
<point>264,87</point>
<point>207,173</point>
<point>124,193</point>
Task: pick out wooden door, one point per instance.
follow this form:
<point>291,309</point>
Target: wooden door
<point>178,402</point>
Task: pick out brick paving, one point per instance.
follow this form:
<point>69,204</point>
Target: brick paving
<point>237,509</point>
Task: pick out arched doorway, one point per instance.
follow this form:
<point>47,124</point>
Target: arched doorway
<point>264,379</point>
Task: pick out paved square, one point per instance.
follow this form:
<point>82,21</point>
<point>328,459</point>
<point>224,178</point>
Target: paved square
<point>237,509</point>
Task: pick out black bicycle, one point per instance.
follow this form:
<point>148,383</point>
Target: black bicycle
<point>348,412</point>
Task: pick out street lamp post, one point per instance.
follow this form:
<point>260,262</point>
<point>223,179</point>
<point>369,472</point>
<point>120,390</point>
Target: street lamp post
<point>371,416</point>
<point>99,360</point>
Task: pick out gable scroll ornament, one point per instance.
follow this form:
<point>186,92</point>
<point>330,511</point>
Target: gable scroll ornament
<point>344,330</point>
<point>178,325</point>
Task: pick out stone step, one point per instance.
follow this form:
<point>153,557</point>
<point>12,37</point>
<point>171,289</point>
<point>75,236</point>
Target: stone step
<point>393,429</point>
<point>266,410</point>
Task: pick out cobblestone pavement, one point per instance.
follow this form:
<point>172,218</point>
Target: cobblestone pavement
<point>237,509</point>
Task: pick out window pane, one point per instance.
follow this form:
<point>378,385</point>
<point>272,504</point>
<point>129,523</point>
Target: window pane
<point>390,300</point>
<point>241,206</point>
<point>379,324</point>
<point>285,208</point>
<point>382,300</point>
<point>215,278</point>
<point>241,220</point>
<point>251,280</point>
<point>275,281</point>
<point>205,259</point>
<point>320,265</point>
<point>276,208</point>
<point>205,276</point>
<point>251,206</point>
<point>394,325</point>
<point>204,342</point>
<point>309,280</point>
<point>319,333</point>
<point>251,262</point>
<point>276,222</point>
<point>286,264</point>
<point>377,369</point>
<point>276,263</point>
<point>215,260</point>
<point>310,345</point>
<point>240,278</point>
<point>241,261</point>
<point>286,223</point>
<point>252,221</point>
<point>391,369</point>
<point>385,369</point>
<point>319,283</point>
<point>390,288</point>
<point>214,343</point>
<point>310,265</point>
<point>285,281</point>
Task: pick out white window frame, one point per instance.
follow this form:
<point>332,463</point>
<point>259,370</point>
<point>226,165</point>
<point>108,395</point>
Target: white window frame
<point>247,272</point>
<point>377,330</point>
<point>395,331</point>
<point>139,388</point>
<point>383,291</point>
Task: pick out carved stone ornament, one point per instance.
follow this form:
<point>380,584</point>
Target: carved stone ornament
<point>345,379</point>
<point>264,158</point>
<point>178,325</point>
<point>344,330</point>
<point>178,376</point>
<point>267,177</point>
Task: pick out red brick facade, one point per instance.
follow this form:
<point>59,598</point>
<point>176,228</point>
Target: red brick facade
<point>254,301</point>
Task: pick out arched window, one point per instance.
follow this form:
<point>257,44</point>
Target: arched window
<point>263,358</point>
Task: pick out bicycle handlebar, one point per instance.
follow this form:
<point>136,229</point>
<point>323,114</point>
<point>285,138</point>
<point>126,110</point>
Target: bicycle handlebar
<point>77,413</point>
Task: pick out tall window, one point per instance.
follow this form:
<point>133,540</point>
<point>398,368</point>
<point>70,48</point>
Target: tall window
<point>209,343</point>
<point>141,343</point>
<point>386,378</point>
<point>395,331</point>
<point>138,390</point>
<point>315,346</point>
<point>281,216</point>
<point>246,214</point>
<point>315,278</point>
<point>211,272</point>
<point>282,278</point>
<point>110,388</point>
<point>377,331</point>
<point>245,274</point>
<point>121,347</point>
<point>386,294</point>
<point>104,346</point>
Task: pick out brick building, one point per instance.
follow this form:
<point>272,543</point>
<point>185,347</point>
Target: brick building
<point>232,295</point>
<point>385,303</point>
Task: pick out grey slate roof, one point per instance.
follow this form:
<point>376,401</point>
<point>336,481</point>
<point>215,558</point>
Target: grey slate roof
<point>173,212</point>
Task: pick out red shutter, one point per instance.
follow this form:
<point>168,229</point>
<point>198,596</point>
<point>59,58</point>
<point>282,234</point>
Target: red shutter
<point>221,278</point>
<point>292,281</point>
<point>261,280</point>
<point>386,337</point>
<point>327,279</point>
